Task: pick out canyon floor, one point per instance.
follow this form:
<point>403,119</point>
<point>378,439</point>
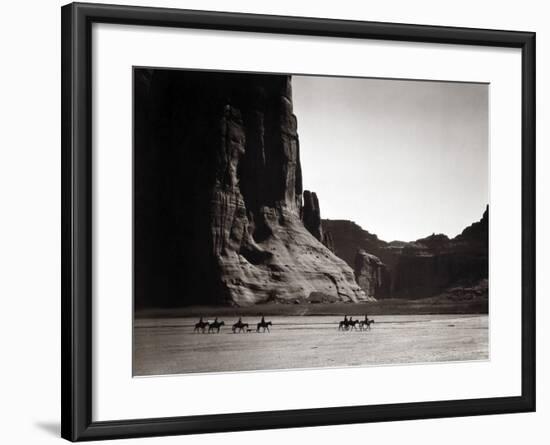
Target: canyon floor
<point>168,345</point>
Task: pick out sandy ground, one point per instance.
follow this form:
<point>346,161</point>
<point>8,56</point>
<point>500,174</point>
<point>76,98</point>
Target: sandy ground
<point>169,346</point>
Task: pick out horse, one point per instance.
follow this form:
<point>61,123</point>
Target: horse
<point>365,324</point>
<point>240,327</point>
<point>344,324</point>
<point>215,325</point>
<point>201,326</point>
<point>263,324</point>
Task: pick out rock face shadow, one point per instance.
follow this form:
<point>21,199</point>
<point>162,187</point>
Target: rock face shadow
<point>222,218</point>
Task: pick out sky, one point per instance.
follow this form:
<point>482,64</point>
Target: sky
<point>403,159</point>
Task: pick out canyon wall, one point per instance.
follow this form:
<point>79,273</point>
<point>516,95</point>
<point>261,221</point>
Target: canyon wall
<point>220,215</point>
<point>418,269</point>
<point>371,273</point>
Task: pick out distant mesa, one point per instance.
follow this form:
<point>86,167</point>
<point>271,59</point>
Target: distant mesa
<point>423,268</point>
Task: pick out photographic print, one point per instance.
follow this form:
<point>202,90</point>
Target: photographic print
<point>294,203</point>
<point>287,221</point>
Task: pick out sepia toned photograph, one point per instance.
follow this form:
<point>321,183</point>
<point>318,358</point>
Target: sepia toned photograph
<point>286,221</point>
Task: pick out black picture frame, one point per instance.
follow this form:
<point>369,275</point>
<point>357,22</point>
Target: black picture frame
<point>76,249</point>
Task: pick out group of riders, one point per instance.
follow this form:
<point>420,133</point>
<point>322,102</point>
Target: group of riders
<point>215,326</point>
<point>349,324</point>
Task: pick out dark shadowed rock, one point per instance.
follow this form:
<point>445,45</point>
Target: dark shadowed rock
<point>328,241</point>
<point>347,237</point>
<point>433,242</point>
<point>218,195</point>
<point>311,214</point>
<point>477,233</point>
<point>418,269</point>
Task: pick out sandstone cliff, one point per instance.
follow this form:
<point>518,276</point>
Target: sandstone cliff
<point>417,269</point>
<point>220,217</point>
<point>370,273</point>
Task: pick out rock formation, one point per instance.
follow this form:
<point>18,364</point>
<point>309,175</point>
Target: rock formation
<point>348,237</point>
<point>370,273</point>
<point>218,195</point>
<point>418,269</point>
<point>328,241</point>
<point>311,214</point>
